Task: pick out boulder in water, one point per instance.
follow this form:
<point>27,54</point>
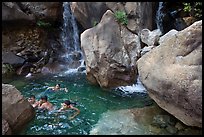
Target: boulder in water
<point>16,110</point>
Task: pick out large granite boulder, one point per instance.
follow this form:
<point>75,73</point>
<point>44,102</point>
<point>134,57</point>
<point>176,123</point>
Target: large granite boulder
<point>88,14</point>
<point>16,110</point>
<point>172,74</point>
<point>110,53</point>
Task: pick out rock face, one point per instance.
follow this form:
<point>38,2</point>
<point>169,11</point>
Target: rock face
<point>110,53</point>
<point>6,130</point>
<point>16,110</point>
<point>11,58</point>
<point>172,74</point>
<point>88,13</point>
<point>29,11</point>
<point>11,11</point>
<point>140,14</point>
<point>150,38</point>
<point>43,10</point>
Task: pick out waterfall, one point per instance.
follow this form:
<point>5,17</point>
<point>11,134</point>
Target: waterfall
<point>70,37</point>
<point>70,40</point>
<point>159,16</point>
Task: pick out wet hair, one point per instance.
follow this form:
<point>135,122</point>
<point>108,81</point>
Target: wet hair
<point>67,102</point>
<point>32,96</point>
<point>43,97</point>
<point>58,85</point>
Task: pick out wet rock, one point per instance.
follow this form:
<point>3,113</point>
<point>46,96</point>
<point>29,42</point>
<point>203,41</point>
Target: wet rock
<point>171,129</point>
<point>154,130</point>
<point>53,68</point>
<point>179,126</point>
<point>76,56</point>
<point>81,69</point>
<point>119,122</point>
<point>189,131</point>
<point>161,121</point>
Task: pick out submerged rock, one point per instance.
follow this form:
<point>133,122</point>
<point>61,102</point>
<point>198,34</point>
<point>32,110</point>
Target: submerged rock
<point>119,122</point>
<point>139,121</point>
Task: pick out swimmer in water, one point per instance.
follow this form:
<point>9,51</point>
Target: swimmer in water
<point>67,105</point>
<point>33,101</point>
<point>57,88</point>
<point>44,103</point>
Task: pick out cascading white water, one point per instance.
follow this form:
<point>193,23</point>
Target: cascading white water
<point>70,35</point>
<point>70,40</point>
<point>135,88</point>
<point>159,16</point>
<point>138,87</point>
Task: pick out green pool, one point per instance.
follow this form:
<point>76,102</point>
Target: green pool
<point>92,101</point>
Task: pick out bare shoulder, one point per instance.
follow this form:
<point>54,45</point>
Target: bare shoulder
<point>72,107</point>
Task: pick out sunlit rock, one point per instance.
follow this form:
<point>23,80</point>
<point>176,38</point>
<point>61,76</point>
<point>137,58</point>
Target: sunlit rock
<point>111,52</point>
<point>172,74</point>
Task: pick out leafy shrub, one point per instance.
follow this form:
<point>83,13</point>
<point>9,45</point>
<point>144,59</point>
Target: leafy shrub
<point>193,8</point>
<point>198,9</point>
<point>187,7</point>
<point>121,17</point>
<point>43,24</point>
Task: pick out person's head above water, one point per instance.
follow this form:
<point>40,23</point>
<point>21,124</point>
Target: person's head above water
<point>57,86</point>
<point>31,99</point>
<point>43,98</point>
<point>67,102</point>
<point>32,96</point>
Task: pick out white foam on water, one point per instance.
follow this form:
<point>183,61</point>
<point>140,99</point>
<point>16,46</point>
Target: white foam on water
<point>135,88</point>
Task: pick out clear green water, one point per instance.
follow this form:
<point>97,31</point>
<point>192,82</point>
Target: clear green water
<point>91,100</point>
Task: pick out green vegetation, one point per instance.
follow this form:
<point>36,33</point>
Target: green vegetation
<point>7,68</point>
<point>43,24</point>
<point>121,17</point>
<point>95,23</point>
<point>193,9</point>
<point>187,7</point>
